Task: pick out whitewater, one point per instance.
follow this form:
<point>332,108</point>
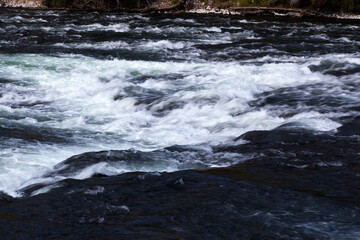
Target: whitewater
<point>74,83</point>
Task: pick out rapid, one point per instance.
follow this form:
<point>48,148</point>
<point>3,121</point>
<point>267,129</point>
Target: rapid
<point>151,126</point>
<point>78,82</point>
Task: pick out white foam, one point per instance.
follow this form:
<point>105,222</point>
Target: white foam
<point>50,13</point>
<point>80,92</point>
<point>213,29</point>
<point>47,29</point>
<point>181,20</point>
<point>315,120</point>
<point>19,19</point>
<point>321,36</point>
<point>344,39</point>
<point>3,42</point>
<point>165,44</point>
<point>117,27</point>
<point>108,45</point>
<point>46,189</point>
<point>178,30</point>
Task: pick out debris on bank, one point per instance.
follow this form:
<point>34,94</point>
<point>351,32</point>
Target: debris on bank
<point>22,4</point>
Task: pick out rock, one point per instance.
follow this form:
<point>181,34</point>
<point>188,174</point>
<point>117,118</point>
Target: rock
<point>350,128</point>
<point>295,14</point>
<point>5,197</point>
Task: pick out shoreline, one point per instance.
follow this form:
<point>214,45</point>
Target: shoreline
<point>177,9</point>
<point>277,12</point>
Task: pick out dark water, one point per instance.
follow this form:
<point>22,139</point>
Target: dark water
<point>117,126</point>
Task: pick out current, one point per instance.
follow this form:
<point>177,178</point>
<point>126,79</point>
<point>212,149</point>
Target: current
<point>161,94</point>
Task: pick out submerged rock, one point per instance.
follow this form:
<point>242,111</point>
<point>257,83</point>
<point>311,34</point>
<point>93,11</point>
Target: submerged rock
<point>294,180</point>
<point>212,204</point>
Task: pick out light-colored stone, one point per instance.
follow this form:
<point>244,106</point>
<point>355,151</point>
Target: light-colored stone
<point>22,3</point>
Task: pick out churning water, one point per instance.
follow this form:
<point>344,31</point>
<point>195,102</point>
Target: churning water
<point>79,82</point>
<point>168,93</point>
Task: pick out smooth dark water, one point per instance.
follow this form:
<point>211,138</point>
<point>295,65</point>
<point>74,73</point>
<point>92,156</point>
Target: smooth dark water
<point>118,126</point>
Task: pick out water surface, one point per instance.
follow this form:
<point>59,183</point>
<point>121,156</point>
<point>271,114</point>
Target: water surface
<point>77,82</point>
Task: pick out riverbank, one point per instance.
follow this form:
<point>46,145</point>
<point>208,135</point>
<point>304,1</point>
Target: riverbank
<point>278,12</point>
<point>266,8</point>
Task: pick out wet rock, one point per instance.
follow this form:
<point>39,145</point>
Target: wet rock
<point>214,205</point>
<point>278,135</point>
<point>350,128</point>
<point>183,157</point>
<point>5,197</point>
<point>80,162</point>
<point>288,166</point>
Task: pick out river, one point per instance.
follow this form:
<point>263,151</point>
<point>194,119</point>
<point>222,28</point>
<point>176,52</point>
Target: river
<point>168,93</point>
